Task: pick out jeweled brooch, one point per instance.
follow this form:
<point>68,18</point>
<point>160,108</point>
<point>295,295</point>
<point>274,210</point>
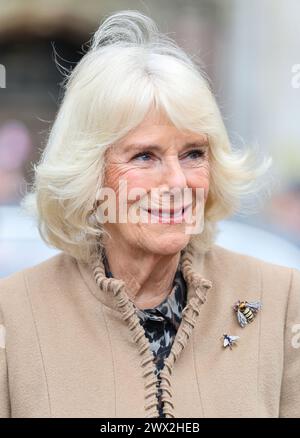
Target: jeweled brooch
<point>246,312</point>
<point>229,341</point>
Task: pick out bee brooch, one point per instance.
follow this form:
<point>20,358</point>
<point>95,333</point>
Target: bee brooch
<point>246,311</point>
<point>229,341</point>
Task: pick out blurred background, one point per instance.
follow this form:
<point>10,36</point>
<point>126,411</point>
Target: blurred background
<point>249,49</point>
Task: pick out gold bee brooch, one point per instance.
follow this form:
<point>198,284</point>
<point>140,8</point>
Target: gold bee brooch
<point>246,311</point>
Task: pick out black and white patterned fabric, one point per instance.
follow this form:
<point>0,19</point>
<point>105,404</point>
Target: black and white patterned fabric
<point>161,323</point>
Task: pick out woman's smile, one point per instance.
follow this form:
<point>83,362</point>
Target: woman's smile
<point>169,216</point>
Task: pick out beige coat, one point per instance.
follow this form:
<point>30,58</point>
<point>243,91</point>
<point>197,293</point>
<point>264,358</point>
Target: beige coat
<point>75,348</point>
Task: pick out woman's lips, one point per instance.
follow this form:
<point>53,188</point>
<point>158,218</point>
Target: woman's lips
<point>169,216</point>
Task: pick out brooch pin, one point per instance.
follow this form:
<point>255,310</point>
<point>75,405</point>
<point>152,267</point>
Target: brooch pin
<point>246,311</point>
<point>229,341</point>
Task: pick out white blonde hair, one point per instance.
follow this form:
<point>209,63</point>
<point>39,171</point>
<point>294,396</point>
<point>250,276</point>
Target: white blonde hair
<point>129,68</point>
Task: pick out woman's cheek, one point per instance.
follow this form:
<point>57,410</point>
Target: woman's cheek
<point>138,179</point>
<point>116,174</point>
<point>200,180</point>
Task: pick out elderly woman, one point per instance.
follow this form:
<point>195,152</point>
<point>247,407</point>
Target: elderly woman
<point>141,314</point>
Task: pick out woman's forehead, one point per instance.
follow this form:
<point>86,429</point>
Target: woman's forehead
<point>157,126</point>
<point>160,134</point>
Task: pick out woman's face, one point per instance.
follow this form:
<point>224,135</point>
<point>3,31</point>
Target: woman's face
<point>157,156</point>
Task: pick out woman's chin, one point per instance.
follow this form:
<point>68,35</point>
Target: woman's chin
<point>169,242</point>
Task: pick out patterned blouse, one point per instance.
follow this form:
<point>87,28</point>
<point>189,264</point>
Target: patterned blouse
<point>161,323</point>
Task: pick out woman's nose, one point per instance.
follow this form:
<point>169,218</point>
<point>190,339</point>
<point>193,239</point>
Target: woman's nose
<point>173,175</point>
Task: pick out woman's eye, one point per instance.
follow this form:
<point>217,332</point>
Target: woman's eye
<point>195,154</point>
<point>142,156</point>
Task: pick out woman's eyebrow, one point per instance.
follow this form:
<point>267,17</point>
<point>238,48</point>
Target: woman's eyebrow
<point>197,144</point>
<point>141,147</point>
